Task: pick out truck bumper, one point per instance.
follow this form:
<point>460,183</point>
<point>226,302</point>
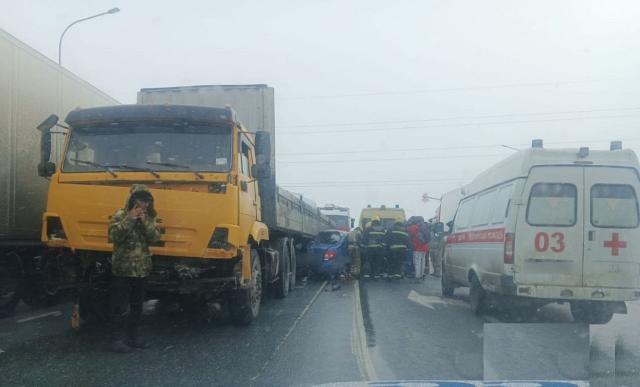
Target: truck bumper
<point>192,286</point>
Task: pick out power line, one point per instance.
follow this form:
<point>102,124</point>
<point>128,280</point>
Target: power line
<point>390,159</point>
<point>447,148</point>
<point>452,89</point>
<point>458,118</point>
<point>306,132</point>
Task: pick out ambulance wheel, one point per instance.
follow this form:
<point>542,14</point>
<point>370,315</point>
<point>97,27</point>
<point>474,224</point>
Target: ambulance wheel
<point>447,286</point>
<point>245,303</point>
<point>591,312</point>
<point>284,273</point>
<point>477,296</point>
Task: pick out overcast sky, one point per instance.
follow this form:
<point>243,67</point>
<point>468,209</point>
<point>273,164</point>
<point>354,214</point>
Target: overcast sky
<point>418,95</point>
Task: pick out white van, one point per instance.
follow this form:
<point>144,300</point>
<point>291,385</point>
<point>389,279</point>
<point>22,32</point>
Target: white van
<point>550,225</point>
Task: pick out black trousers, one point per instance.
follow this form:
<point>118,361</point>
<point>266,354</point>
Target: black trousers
<point>125,306</point>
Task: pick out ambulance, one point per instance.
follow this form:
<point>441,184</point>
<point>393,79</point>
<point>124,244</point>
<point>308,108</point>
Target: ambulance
<point>550,225</point>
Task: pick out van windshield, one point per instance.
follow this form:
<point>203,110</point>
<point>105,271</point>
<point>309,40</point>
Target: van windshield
<point>614,205</point>
<point>552,204</point>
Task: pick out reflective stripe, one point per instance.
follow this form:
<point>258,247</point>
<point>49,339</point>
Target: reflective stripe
<point>397,247</point>
<point>400,233</point>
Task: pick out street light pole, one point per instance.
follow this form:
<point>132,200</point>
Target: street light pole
<point>109,12</point>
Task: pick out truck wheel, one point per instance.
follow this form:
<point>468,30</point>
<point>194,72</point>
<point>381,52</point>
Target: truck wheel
<point>282,283</point>
<point>477,296</point>
<point>293,266</point>
<point>447,286</point>
<point>591,312</point>
<point>10,283</point>
<point>245,303</point>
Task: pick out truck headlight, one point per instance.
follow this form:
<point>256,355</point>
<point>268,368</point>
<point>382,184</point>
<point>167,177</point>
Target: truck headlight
<point>219,239</point>
<point>55,231</point>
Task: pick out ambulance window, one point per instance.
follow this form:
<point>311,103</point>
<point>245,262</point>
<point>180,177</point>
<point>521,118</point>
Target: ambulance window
<point>552,204</point>
<point>614,205</point>
<point>463,216</point>
<point>501,204</point>
<point>482,209</point>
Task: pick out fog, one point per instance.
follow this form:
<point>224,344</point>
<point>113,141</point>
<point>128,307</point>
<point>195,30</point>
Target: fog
<point>377,102</point>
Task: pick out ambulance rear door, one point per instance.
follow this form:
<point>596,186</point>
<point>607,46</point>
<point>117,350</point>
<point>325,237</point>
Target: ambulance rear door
<point>612,235</point>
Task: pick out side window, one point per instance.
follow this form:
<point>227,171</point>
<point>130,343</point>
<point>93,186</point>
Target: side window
<point>614,205</point>
<point>552,204</point>
<point>244,160</point>
<point>463,216</point>
<point>501,204</point>
<point>482,209</point>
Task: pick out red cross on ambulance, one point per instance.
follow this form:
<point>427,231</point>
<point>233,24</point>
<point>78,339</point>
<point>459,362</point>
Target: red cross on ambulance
<point>615,244</point>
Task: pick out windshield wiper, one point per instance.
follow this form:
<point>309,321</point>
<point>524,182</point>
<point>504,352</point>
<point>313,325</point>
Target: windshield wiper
<point>94,164</point>
<point>134,168</point>
<point>172,165</point>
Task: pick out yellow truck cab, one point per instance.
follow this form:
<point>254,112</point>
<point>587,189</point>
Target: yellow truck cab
<point>214,192</point>
<point>388,216</point>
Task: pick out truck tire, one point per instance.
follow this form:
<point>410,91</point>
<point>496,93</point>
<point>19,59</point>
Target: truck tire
<point>477,296</point>
<point>284,272</point>
<point>11,282</point>
<point>245,303</point>
<point>293,265</point>
<point>591,312</point>
<point>447,286</point>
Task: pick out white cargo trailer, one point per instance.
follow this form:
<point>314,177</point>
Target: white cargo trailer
<point>31,87</point>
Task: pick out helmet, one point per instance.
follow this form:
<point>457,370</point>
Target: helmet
<point>375,218</point>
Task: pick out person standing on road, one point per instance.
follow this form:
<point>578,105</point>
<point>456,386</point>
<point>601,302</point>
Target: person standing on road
<point>398,243</point>
<point>436,250</point>
<point>353,247</point>
<point>419,233</point>
<point>131,230</point>
<point>373,241</point>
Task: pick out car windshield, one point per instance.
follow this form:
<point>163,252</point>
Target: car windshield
<point>330,237</point>
<point>161,148</point>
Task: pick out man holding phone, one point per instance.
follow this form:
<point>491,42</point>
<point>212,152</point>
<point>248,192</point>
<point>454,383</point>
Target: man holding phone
<point>131,230</point>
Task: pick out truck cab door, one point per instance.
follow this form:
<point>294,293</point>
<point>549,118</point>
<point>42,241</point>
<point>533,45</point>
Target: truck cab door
<point>611,228</point>
<point>549,230</point>
<point>247,185</point>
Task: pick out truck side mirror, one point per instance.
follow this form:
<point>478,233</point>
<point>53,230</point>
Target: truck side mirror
<point>263,147</point>
<point>46,168</point>
<point>261,171</point>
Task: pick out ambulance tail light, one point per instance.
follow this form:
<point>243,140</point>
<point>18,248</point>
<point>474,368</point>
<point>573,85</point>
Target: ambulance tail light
<point>509,247</point>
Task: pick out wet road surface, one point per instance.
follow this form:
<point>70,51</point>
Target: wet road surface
<point>370,330</point>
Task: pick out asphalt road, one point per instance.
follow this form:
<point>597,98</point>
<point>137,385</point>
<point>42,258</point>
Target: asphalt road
<point>371,330</point>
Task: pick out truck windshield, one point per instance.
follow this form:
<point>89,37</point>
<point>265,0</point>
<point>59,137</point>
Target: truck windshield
<point>182,148</point>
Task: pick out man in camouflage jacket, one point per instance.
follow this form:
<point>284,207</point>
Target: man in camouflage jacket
<point>131,230</point>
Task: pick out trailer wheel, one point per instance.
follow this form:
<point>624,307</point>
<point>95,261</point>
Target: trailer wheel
<point>293,266</point>
<point>245,303</point>
<point>284,272</point>
<point>591,312</point>
<point>10,283</point>
<point>477,296</point>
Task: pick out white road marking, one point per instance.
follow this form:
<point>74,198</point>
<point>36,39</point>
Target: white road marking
<point>430,301</point>
<point>57,313</point>
<point>359,339</point>
<point>293,326</point>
